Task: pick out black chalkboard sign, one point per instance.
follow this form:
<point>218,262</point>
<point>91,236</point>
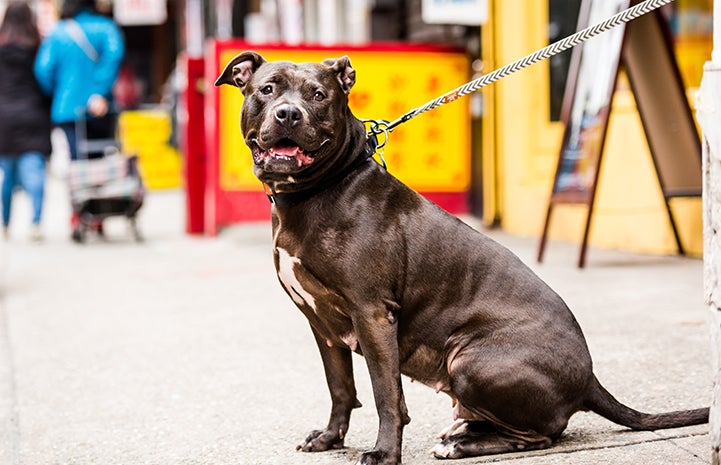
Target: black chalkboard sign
<point>644,48</point>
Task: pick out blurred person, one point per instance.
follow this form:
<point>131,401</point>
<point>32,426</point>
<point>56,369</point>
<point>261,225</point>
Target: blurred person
<point>77,64</point>
<point>128,89</point>
<point>24,114</point>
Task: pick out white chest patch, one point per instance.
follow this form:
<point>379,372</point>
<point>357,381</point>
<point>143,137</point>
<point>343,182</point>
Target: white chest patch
<point>286,273</point>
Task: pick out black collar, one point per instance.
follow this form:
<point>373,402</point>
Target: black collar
<point>290,198</point>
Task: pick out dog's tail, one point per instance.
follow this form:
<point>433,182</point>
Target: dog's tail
<point>599,400</point>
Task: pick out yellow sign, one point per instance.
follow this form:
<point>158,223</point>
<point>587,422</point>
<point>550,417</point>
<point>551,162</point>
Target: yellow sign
<point>431,153</point>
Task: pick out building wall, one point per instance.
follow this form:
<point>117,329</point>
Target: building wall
<point>521,147</point>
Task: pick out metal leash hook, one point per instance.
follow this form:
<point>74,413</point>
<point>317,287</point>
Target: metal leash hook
<point>376,128</point>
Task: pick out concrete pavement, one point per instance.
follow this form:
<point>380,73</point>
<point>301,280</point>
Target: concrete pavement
<point>185,351</point>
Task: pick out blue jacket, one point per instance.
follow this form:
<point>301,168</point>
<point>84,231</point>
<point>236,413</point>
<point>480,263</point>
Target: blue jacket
<point>67,74</point>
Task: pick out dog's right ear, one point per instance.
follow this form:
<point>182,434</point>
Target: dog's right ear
<point>239,70</point>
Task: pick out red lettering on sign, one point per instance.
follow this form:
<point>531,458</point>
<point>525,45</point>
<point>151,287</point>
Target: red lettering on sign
<point>433,85</point>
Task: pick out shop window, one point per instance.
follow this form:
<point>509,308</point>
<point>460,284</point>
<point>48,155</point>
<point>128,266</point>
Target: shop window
<point>562,22</point>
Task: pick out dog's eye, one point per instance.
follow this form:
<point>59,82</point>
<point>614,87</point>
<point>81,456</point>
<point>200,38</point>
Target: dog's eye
<point>267,90</point>
<point>319,96</point>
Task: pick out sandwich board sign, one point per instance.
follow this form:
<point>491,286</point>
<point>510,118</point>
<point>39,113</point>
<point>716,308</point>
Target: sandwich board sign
<point>643,47</point>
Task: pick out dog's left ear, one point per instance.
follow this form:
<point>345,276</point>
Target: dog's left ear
<point>343,71</point>
<point>239,70</point>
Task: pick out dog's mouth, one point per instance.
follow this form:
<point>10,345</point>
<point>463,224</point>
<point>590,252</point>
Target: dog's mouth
<point>284,150</point>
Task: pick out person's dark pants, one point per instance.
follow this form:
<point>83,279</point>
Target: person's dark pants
<point>95,128</point>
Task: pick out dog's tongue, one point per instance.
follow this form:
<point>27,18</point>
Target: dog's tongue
<point>291,151</point>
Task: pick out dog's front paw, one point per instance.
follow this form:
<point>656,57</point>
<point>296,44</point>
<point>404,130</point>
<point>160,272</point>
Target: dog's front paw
<point>378,457</point>
<point>320,440</point>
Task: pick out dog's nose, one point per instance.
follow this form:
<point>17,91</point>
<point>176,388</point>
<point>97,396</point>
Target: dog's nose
<point>287,114</point>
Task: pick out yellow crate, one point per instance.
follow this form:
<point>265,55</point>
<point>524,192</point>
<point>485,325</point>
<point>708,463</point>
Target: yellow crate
<point>146,133</point>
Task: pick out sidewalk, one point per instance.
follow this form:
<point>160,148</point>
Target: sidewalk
<point>185,351</point>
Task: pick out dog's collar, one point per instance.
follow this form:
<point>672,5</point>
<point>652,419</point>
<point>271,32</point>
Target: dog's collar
<point>290,198</point>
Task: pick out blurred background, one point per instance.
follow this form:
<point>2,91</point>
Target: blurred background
<point>492,155</point>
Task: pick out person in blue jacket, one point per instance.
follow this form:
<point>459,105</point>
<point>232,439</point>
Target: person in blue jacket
<point>77,65</point>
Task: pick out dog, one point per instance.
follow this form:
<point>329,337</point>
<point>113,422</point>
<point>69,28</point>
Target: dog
<point>379,270</point>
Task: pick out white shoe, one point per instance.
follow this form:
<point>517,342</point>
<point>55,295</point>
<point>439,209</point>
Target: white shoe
<point>6,232</point>
<point>36,234</point>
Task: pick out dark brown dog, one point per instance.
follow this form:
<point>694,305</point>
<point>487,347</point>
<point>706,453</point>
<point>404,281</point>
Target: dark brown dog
<point>381,271</point>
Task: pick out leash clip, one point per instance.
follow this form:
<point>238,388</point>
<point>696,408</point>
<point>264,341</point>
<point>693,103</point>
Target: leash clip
<point>376,128</point>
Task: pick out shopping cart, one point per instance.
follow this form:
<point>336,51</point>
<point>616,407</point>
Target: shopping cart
<point>103,182</point>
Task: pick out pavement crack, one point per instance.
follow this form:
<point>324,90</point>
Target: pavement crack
<point>685,448</point>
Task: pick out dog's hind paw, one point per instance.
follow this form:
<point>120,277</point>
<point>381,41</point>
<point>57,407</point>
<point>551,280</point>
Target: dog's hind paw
<point>479,438</point>
<point>442,451</point>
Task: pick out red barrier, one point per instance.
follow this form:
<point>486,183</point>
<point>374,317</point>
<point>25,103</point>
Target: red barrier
<point>193,137</point>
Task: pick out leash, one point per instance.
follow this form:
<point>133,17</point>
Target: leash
<point>378,127</point>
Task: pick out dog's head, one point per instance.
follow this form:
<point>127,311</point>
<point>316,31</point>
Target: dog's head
<point>295,116</point>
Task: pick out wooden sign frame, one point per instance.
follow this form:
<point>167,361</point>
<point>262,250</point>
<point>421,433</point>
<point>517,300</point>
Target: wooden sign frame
<point>644,48</point>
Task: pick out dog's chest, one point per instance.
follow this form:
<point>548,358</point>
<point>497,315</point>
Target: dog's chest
<point>323,306</point>
<point>292,274</point>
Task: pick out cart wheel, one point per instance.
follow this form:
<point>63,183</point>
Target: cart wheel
<point>78,234</point>
<point>134,229</point>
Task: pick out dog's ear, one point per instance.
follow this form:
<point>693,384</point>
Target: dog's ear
<point>239,70</point>
<point>343,71</point>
